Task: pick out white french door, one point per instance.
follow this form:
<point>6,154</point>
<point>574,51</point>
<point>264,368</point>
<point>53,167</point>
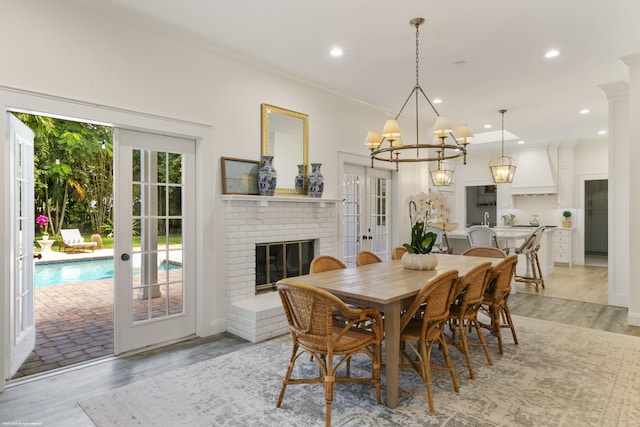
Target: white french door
<point>155,278</point>
<point>366,224</point>
<point>22,324</point>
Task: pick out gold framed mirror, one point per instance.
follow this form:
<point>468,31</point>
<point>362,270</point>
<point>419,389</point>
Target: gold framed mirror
<point>285,136</point>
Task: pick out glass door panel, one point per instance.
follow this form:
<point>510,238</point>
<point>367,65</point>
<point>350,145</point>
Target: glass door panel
<point>365,212</point>
<point>155,292</point>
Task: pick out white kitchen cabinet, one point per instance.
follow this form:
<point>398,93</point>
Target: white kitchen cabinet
<point>505,200</point>
<point>562,245</point>
<point>565,176</point>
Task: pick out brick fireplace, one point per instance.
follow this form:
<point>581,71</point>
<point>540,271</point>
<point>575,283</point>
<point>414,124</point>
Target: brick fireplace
<point>251,220</point>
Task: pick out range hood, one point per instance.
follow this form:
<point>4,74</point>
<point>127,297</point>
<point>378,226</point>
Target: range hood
<point>535,173</point>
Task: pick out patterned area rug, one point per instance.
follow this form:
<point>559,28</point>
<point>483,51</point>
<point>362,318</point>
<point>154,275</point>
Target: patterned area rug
<point>558,375</point>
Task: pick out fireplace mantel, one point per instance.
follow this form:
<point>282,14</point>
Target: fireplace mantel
<point>264,200</point>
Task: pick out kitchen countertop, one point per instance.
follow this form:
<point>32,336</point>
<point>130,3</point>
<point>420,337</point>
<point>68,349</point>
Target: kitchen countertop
<point>501,232</point>
<point>507,232</point>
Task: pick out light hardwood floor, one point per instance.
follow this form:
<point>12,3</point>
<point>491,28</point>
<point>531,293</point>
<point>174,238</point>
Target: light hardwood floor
<point>52,400</point>
<point>577,283</point>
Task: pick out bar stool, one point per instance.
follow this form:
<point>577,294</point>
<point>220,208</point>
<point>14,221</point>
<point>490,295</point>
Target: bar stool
<point>530,247</point>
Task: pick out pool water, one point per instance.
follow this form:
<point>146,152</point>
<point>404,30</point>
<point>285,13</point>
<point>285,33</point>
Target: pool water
<point>58,273</point>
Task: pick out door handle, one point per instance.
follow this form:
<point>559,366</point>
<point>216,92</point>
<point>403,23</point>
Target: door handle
<point>125,257</point>
<point>39,256</point>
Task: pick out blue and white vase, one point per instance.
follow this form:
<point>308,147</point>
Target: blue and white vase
<point>267,177</point>
<point>300,178</point>
<point>315,181</point>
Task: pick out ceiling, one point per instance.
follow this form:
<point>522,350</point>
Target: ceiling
<point>501,45</point>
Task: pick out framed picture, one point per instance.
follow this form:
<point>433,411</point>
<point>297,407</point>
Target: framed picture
<point>239,176</point>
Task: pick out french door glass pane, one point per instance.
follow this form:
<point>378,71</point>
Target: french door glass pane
<point>351,217</point>
<point>158,281</point>
<point>378,220</point>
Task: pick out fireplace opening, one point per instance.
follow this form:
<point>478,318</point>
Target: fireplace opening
<point>278,260</point>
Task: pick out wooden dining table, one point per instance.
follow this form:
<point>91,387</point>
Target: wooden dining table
<point>389,287</point>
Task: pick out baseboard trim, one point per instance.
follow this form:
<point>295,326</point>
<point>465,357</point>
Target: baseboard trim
<point>633,319</point>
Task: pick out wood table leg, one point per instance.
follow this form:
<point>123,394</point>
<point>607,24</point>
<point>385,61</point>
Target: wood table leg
<point>392,351</point>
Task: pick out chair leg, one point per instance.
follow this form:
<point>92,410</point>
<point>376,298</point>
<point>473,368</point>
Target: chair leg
<point>287,376</point>
<point>376,372</point>
<point>507,312</point>
<point>495,326</point>
<point>328,395</point>
<point>540,278</point>
<point>465,348</point>
<point>426,373</point>
<point>483,342</point>
<point>329,383</point>
<point>447,358</point>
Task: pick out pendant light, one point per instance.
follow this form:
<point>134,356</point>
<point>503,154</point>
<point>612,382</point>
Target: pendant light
<point>503,168</point>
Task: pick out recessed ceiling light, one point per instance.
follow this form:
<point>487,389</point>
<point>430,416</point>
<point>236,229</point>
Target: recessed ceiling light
<point>552,53</point>
<point>437,101</point>
<point>584,111</point>
<point>520,142</point>
<point>336,52</point>
<point>602,132</point>
<point>488,126</point>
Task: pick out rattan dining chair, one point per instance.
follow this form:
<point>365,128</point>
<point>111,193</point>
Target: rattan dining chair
<point>325,263</point>
<point>397,252</point>
<point>463,315</point>
<point>422,326</point>
<point>485,251</point>
<point>366,257</point>
<point>494,303</point>
<point>309,312</point>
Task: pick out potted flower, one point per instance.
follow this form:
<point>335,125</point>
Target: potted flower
<point>421,210</point>
<point>566,223</point>
<point>42,221</point>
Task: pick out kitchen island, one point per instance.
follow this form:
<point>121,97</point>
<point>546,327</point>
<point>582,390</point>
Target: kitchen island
<point>511,237</point>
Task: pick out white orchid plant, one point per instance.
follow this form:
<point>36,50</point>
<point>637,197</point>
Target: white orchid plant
<point>425,208</point>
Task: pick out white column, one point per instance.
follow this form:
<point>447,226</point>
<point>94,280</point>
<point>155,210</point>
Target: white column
<point>633,62</point>
<point>618,244</point>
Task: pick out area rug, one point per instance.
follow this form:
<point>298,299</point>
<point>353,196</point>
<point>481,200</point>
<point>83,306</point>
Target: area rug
<point>558,375</point>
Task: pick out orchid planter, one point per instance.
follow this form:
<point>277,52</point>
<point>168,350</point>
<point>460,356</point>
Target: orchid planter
<point>419,261</point>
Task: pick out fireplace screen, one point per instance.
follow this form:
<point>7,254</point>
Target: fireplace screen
<point>278,260</point>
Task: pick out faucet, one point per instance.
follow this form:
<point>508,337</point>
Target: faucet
<point>486,219</point>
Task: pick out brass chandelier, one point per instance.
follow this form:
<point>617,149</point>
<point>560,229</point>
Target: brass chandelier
<point>390,147</point>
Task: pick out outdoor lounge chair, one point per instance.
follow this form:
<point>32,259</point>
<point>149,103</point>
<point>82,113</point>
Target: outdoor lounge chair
<point>71,239</point>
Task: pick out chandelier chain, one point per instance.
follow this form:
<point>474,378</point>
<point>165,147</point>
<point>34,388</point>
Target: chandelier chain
<point>417,55</point>
<point>502,112</point>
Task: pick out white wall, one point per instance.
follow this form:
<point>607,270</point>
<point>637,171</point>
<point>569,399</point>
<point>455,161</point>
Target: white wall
<point>633,152</point>
<point>92,58</point>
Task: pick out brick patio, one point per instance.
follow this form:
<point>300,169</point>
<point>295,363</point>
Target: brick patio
<point>74,322</point>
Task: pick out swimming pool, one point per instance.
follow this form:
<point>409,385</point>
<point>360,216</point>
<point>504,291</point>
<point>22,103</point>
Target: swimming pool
<point>58,273</point>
